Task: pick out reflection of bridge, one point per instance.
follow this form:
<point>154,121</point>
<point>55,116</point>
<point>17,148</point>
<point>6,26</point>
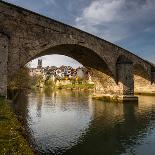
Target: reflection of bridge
<point>116,128</point>
<point>25,35</point>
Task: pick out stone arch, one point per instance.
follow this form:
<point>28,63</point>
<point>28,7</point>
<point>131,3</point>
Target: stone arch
<point>82,54</point>
<point>101,73</point>
<point>140,71</point>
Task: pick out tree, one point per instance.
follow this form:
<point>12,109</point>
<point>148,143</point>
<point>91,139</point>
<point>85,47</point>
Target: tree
<point>21,80</point>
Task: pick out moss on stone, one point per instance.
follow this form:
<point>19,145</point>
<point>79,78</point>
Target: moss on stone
<point>12,141</point>
<point>107,98</point>
<point>76,86</point>
<point>145,93</point>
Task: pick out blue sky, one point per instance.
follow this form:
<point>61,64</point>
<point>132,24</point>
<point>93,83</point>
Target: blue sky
<point>127,23</point>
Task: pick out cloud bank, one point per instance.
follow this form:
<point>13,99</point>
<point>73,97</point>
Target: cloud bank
<point>116,20</point>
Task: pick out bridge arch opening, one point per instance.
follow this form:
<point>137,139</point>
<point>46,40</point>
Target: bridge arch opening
<point>102,76</point>
<point>82,54</point>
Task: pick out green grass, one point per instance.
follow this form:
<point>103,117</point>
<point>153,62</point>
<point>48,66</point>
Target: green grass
<point>11,140</point>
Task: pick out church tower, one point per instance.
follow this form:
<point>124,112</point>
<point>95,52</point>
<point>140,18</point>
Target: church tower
<point>39,63</point>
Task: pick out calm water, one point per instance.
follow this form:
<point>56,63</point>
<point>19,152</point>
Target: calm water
<point>71,123</point>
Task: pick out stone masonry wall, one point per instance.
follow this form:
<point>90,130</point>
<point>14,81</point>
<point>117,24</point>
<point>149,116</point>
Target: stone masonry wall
<point>105,84</point>
<point>3,64</point>
<point>125,77</point>
<point>142,85</point>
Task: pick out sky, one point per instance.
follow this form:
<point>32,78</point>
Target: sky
<point>127,23</point>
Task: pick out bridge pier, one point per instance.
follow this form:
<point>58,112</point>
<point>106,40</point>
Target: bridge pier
<point>3,64</point>
<point>120,89</point>
<point>125,80</point>
<point>153,76</point>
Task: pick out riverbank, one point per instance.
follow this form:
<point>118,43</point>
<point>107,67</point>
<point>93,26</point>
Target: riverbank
<point>115,98</point>
<point>76,86</point>
<point>12,141</point>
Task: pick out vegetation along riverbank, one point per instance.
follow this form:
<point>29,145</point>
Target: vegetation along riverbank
<point>12,141</point>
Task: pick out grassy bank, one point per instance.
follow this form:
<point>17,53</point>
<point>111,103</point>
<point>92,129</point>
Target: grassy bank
<point>106,98</point>
<point>12,141</point>
<point>76,86</point>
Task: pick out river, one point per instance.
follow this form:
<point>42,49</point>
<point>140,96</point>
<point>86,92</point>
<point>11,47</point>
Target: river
<point>71,123</point>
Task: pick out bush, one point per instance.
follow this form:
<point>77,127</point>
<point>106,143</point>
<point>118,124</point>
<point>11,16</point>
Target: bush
<point>20,80</point>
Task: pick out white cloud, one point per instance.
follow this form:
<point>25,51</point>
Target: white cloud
<point>107,15</point>
<point>101,11</point>
<point>115,20</point>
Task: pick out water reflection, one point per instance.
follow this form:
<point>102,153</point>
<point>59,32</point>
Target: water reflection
<point>70,122</point>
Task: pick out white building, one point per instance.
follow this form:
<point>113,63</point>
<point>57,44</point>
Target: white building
<point>80,73</point>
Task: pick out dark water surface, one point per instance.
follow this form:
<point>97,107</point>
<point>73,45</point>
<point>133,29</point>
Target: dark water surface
<point>71,123</point>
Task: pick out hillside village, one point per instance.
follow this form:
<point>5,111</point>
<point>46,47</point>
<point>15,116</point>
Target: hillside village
<point>60,76</point>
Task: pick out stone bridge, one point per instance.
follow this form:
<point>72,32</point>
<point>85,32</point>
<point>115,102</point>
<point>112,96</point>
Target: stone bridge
<point>25,35</point>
